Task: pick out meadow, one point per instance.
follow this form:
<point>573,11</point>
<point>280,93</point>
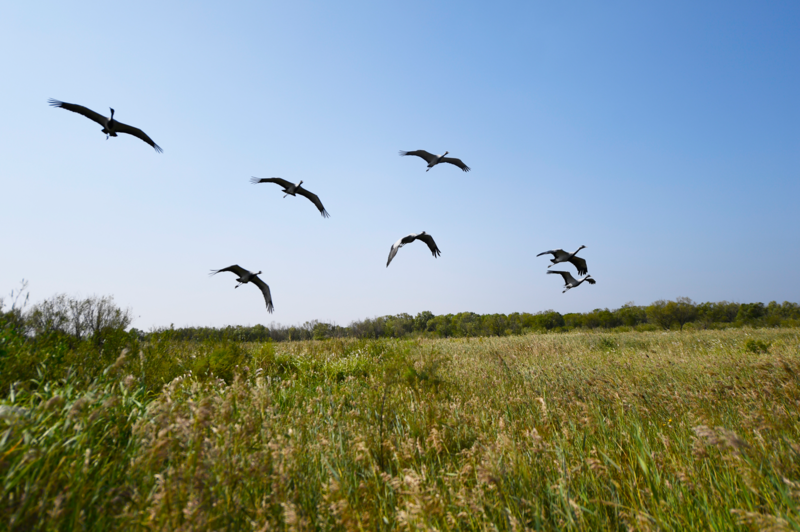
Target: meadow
<point>676,430</point>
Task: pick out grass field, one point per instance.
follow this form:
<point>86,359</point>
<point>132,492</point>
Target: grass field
<point>579,431</point>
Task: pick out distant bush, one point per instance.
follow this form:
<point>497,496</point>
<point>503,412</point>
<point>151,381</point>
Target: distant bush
<point>606,343</point>
<point>223,362</point>
<point>59,336</point>
<point>756,346</point>
<point>95,318</point>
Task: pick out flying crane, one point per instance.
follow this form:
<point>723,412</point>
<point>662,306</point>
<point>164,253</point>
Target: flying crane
<point>245,277</point>
<point>433,160</point>
<point>425,237</point>
<point>110,126</point>
<point>562,256</point>
<point>292,190</point>
<point>570,281</point>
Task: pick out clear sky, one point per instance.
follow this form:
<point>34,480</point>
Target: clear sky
<point>664,136</point>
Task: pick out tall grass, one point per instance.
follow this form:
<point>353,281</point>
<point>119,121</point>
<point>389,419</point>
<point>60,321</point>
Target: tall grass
<point>577,431</point>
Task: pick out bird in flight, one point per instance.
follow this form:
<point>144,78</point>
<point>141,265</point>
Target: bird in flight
<point>110,126</point>
<point>425,237</point>
<point>562,256</point>
<point>433,160</point>
<point>292,190</point>
<point>570,281</point>
<point>249,277</point>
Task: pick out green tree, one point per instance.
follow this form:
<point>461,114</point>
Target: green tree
<point>94,317</point>
<point>658,314</point>
<point>721,312</point>
<point>631,315</point>
<point>683,311</point>
<point>441,325</point>
<point>421,321</point>
<point>548,319</point>
<point>751,313</point>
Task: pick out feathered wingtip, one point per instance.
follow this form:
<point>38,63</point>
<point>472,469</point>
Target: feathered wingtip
<point>54,102</point>
<point>401,152</point>
<point>255,180</point>
<point>213,272</point>
<point>325,214</point>
<point>157,148</point>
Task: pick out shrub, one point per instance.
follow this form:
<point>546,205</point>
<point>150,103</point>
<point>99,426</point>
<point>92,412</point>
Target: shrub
<point>223,362</point>
<point>606,344</point>
<point>757,346</point>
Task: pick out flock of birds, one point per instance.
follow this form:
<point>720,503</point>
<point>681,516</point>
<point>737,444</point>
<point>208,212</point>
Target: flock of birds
<point>111,127</point>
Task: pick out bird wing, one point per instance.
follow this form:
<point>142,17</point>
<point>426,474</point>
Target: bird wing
<point>568,278</point>
<point>264,290</point>
<point>314,199</point>
<point>277,180</point>
<point>456,162</point>
<point>429,157</point>
<point>238,270</point>
<point>138,133</point>
<point>392,252</point>
<point>428,239</point>
<point>580,264</point>
<point>81,110</point>
<point>553,252</point>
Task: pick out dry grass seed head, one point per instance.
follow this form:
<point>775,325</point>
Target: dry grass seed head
<point>722,438</point>
<point>761,522</point>
<point>78,407</point>
<point>54,402</point>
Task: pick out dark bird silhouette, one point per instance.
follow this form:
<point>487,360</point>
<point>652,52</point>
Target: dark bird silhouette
<point>570,281</point>
<point>293,190</point>
<point>562,256</point>
<point>249,277</point>
<point>110,126</point>
<point>433,160</point>
<point>425,237</point>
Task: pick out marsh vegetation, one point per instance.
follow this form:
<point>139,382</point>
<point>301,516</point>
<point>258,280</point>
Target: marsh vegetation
<point>582,430</point>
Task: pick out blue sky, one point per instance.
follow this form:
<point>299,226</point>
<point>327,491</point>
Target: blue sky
<point>665,138</point>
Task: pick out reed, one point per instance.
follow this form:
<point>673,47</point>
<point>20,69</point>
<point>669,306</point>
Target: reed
<point>693,430</point>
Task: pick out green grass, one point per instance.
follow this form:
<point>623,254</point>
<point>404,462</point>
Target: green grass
<point>578,431</point>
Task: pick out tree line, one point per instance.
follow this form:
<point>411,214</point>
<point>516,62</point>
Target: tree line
<point>660,315</point>
<point>99,320</point>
